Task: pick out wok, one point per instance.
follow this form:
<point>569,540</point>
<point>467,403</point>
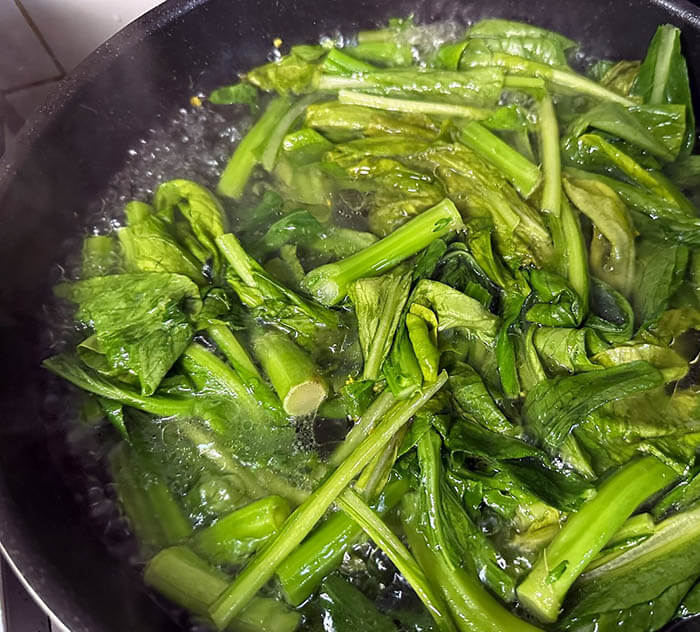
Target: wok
<point>61,165</point>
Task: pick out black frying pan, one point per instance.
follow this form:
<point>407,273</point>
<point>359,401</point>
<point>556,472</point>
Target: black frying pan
<point>63,162</point>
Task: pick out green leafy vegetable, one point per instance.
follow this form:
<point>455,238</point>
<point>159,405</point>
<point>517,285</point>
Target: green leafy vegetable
<point>142,321</point>
<point>663,78</point>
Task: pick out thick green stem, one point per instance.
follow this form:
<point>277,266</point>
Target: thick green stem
<point>551,157</point>
<point>202,366</point>
<point>303,520</point>
<point>322,552</point>
<point>414,106</point>
<point>472,606</point>
<point>377,409</point>
<point>566,79</point>
<point>635,529</point>
<point>400,556</point>
<point>577,255</point>
<point>268,157</point>
<point>329,283</point>
<point>291,371</point>
<point>222,336</point>
<point>523,83</point>
<point>586,533</point>
<point>187,580</point>
<point>254,522</point>
<point>241,164</point>
<point>520,172</point>
<point>154,514</point>
<point>338,62</point>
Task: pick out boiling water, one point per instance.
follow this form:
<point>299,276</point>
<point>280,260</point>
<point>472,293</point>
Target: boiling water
<point>194,144</point>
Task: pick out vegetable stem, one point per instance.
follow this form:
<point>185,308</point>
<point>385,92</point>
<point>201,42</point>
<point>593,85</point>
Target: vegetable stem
<point>586,533</point>
<point>256,521</point>
<point>339,62</point>
<point>400,556</point>
<point>291,372</point>
<point>352,97</point>
<point>187,580</point>
<point>235,352</point>
<point>551,158</point>
<point>302,521</point>
<point>268,156</point>
<point>328,284</point>
<point>241,164</point>
<point>322,552</point>
<point>472,606</point>
<point>154,513</point>
<point>520,172</point>
<point>377,409</point>
<point>562,78</point>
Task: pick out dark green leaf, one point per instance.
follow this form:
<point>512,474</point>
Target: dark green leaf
<point>203,215</point>
<point>298,227</point>
<point>472,396</point>
<point>612,317</point>
<point>142,321</point>
<point>238,93</point>
<point>553,408</point>
<point>293,73</point>
<point>346,609</point>
<point>378,303</point>
<point>660,271</point>
<point>663,77</point>
<point>556,303</point>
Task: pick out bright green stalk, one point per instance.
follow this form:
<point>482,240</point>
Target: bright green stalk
<point>256,521</point>
<point>424,345</point>
<point>241,164</point>
<point>329,283</point>
<point>586,533</point>
<point>200,362</point>
<point>471,605</point>
<point>351,97</point>
<point>523,83</point>
<point>562,78</point>
<point>322,552</point>
<point>187,580</point>
<point>303,520</point>
<point>268,157</point>
<point>377,409</point>
<point>254,287</point>
<point>520,172</point>
<point>551,157</point>
<point>154,514</point>
<point>291,371</point>
<point>400,556</point>
<point>339,62</point>
<point>577,255</point>
<point>222,336</point>
<point>634,530</point>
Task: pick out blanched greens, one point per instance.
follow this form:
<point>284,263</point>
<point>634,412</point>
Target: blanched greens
<point>427,358</point>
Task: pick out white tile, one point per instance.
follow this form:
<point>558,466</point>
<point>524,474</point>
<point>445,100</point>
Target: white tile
<point>74,28</point>
<point>23,59</point>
